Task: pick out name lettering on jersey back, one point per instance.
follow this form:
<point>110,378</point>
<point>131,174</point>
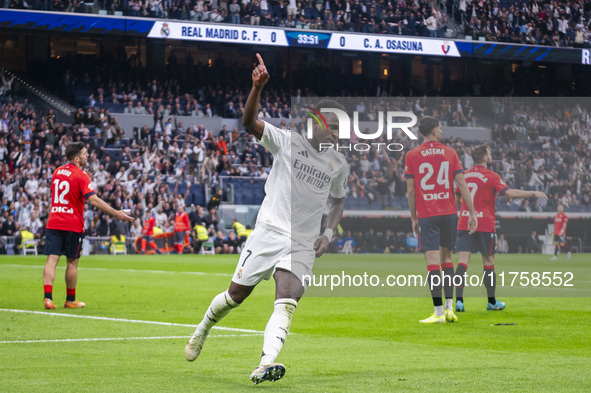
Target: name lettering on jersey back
<point>311,175</point>
<point>429,152</point>
<point>476,174</point>
<point>64,172</point>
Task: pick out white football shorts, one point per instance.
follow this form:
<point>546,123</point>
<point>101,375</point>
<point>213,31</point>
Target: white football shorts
<point>265,251</point>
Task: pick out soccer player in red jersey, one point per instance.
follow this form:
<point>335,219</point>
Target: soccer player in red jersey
<point>560,221</point>
<point>430,170</point>
<point>181,226</point>
<point>484,186</point>
<point>148,233</point>
<point>70,187</point>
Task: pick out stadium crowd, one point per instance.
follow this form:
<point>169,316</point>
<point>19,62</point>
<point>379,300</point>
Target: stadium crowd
<point>536,146</point>
<point>549,23</point>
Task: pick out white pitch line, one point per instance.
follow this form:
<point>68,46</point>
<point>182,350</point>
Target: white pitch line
<point>67,340</point>
<point>127,320</point>
<point>124,270</point>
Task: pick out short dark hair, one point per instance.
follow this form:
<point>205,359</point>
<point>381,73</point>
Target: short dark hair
<point>479,152</point>
<point>74,149</point>
<point>329,103</point>
<point>427,124</point>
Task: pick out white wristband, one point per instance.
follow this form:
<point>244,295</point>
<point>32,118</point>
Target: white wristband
<point>328,232</point>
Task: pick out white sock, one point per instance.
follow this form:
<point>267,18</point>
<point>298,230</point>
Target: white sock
<point>449,304</point>
<point>277,329</point>
<point>220,306</point>
<point>438,311</point>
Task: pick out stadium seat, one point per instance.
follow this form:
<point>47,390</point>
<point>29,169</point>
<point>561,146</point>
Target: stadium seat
<point>238,188</point>
<point>199,199</point>
<point>405,204</point>
<point>258,188</point>
<point>119,248</point>
<point>207,248</point>
<point>238,199</point>
<point>348,203</point>
<point>258,197</point>
<point>118,108</point>
<point>81,97</point>
<point>249,199</point>
<point>196,188</point>
<point>388,201</point>
<point>375,205</point>
<point>30,247</point>
<point>364,203</point>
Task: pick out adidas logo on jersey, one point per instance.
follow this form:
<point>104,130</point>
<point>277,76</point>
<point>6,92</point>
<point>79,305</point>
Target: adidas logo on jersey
<point>303,153</point>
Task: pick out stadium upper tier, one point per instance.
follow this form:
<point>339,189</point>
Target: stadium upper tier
<point>548,23</point>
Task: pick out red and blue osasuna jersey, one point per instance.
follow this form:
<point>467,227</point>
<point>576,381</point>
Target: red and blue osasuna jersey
<point>70,186</point>
<point>559,220</point>
<point>484,185</point>
<point>433,166</point>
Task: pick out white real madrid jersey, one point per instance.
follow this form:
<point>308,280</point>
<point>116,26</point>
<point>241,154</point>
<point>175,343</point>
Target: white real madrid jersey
<point>299,184</point>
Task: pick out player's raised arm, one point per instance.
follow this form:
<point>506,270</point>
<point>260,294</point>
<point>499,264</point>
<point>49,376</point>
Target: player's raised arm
<point>105,208</point>
<point>250,119</point>
<point>465,192</point>
<point>512,193</point>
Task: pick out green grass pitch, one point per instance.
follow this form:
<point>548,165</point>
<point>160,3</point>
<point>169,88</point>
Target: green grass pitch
<point>338,344</point>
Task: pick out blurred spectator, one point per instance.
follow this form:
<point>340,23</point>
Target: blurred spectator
<point>533,246</point>
<point>502,245</point>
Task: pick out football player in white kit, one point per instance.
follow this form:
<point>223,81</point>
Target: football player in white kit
<point>285,240</point>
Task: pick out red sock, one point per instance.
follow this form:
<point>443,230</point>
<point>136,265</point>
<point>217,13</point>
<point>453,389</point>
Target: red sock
<point>48,290</point>
<point>71,292</point>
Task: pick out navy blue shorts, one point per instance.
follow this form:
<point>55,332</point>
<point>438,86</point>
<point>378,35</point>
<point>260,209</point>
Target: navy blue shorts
<point>66,243</point>
<point>483,242</point>
<point>179,237</point>
<point>437,231</point>
<point>559,239</point>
